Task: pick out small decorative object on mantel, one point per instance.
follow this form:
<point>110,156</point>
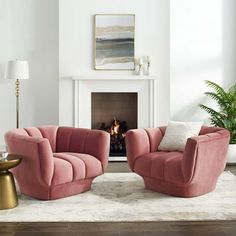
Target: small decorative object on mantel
<point>147,67</point>
<point>140,70</point>
<point>136,66</point>
<point>142,65</point>
<point>114,41</point>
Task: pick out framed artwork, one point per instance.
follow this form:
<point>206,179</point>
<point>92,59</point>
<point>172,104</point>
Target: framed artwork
<point>114,41</point>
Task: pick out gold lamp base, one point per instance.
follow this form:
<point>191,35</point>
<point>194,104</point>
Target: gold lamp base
<point>8,197</point>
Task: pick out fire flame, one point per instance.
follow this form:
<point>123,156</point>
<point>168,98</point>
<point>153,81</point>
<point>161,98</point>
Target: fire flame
<point>117,130</point>
<point>115,127</point>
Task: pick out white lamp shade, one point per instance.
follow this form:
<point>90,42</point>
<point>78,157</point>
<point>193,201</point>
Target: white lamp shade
<point>17,70</point>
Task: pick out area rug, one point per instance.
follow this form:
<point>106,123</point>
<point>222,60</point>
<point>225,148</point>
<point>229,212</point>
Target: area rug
<point>120,197</point>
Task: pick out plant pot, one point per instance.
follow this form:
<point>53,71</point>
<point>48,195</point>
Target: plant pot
<point>231,155</point>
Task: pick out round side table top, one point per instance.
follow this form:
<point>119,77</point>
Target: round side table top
<point>10,162</point>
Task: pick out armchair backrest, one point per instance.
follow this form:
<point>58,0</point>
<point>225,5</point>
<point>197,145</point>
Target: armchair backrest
<point>48,132</point>
<point>209,129</point>
<point>155,136</point>
<point>61,139</point>
<point>71,139</point>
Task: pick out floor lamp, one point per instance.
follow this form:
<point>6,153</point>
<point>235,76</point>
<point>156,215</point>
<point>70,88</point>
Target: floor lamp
<point>17,70</point>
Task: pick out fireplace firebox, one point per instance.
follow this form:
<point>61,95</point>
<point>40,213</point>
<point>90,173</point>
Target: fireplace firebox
<point>115,113</point>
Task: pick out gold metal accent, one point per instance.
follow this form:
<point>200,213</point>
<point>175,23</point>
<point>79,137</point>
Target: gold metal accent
<point>17,102</point>
<point>8,196</point>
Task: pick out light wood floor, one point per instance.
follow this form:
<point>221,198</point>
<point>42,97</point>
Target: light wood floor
<point>190,228</point>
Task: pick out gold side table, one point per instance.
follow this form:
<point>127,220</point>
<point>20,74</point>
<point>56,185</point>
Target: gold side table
<point>8,196</point>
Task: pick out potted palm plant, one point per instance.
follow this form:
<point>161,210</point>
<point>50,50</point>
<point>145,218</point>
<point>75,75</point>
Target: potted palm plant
<point>225,116</point>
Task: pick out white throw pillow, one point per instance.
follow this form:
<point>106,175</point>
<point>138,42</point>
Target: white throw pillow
<point>177,133</point>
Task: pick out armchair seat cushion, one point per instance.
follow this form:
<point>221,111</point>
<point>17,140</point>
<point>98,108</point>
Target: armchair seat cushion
<point>75,166</point>
<point>160,165</point>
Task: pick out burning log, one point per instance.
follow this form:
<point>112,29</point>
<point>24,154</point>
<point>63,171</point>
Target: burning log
<point>117,131</point>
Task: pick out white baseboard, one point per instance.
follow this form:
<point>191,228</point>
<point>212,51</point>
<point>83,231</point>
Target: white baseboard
<point>117,158</point>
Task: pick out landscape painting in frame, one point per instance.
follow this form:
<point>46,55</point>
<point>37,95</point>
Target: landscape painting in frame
<point>114,42</point>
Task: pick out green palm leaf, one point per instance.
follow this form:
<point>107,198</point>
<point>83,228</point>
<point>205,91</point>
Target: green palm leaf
<point>217,88</point>
<point>232,90</point>
<point>226,101</point>
<point>216,117</point>
<point>221,102</point>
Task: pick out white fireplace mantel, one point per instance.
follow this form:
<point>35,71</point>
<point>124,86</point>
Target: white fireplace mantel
<point>114,77</point>
<point>84,85</point>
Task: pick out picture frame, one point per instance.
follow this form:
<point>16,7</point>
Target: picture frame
<point>114,41</point>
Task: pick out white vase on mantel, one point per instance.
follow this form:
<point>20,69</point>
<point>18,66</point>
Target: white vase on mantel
<point>231,155</point>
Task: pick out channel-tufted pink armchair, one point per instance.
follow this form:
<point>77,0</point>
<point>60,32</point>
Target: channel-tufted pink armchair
<point>187,174</point>
<point>58,161</point>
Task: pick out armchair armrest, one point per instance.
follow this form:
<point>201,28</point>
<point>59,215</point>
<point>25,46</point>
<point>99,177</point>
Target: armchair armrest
<point>97,144</point>
<point>205,156</point>
<point>142,141</point>
<point>37,158</point>
<point>137,144</point>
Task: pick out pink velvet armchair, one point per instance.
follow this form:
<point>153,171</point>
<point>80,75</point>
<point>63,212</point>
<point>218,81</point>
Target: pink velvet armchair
<point>187,174</point>
<point>58,161</point>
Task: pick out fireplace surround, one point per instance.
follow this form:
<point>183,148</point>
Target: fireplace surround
<point>85,86</point>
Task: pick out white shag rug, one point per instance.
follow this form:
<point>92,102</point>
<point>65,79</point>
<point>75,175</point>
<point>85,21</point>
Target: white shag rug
<point>119,197</point>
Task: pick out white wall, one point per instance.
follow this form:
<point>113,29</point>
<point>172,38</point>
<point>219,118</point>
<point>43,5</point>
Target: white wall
<point>29,30</point>
<point>229,42</point>
<point>77,38</point>
<point>202,48</point>
<point>201,40</point>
